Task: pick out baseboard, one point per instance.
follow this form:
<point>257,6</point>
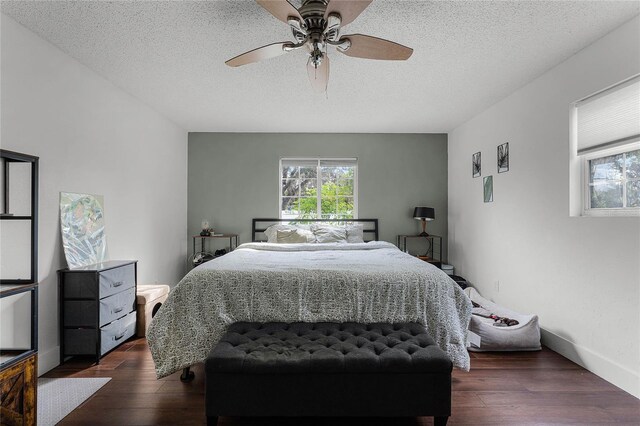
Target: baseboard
<point>48,360</point>
<point>612,372</point>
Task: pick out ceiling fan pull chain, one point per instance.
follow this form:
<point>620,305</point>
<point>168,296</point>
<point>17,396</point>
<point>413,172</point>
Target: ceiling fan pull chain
<point>326,87</point>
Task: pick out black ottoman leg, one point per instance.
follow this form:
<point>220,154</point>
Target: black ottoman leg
<point>187,375</point>
<point>212,420</point>
<point>440,421</point>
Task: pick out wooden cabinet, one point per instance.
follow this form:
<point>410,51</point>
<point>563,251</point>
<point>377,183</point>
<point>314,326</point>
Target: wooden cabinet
<point>98,307</point>
<point>18,385</point>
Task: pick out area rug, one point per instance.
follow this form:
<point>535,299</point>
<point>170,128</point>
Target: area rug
<point>59,397</point>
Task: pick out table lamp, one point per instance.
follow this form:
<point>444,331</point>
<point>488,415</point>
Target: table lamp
<point>424,214</point>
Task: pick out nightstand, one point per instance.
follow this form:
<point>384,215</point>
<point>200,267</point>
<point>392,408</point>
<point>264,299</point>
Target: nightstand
<point>232,238</point>
<point>433,253</point>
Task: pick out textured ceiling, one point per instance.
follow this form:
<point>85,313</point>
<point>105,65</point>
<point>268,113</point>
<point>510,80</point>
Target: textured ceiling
<point>468,55</point>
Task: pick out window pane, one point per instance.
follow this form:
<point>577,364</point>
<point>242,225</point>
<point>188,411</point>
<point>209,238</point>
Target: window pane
<point>289,208</point>
<point>328,205</point>
<point>308,187</point>
<point>606,195</point>
<point>633,164</point>
<point>633,194</point>
<point>344,186</point>
<point>335,173</point>
<point>290,172</point>
<point>327,174</point>
<point>309,172</point>
<point>344,207</point>
<point>290,187</point>
<point>329,189</point>
<point>606,168</point>
<point>308,207</point>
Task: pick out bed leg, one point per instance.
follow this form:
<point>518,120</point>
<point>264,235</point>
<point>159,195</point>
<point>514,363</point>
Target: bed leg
<point>187,375</point>
<point>440,421</point>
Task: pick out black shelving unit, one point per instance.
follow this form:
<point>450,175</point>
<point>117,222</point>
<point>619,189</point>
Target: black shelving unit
<point>9,157</point>
<point>17,285</point>
<point>18,366</point>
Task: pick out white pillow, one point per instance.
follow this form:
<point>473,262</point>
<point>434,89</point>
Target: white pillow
<point>271,231</point>
<point>355,233</point>
<point>329,234</point>
<point>292,236</point>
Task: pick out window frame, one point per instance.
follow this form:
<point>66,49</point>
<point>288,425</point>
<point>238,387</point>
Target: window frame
<point>579,174</point>
<point>318,161</point>
<point>587,210</point>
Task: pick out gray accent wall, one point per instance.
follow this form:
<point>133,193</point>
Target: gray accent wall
<point>234,177</point>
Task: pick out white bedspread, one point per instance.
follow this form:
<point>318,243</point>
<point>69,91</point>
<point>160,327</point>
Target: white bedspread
<point>369,282</point>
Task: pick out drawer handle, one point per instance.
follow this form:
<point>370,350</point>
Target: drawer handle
<point>118,284</point>
<point>120,336</point>
<point>115,311</point>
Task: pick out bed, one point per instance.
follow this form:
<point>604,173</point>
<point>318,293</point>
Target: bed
<point>311,282</point>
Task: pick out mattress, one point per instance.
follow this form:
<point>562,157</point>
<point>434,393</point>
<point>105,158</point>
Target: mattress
<point>335,282</point>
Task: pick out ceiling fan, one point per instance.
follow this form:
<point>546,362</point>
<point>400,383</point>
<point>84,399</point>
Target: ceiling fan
<point>315,26</point>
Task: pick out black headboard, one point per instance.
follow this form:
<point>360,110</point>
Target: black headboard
<point>258,226</point>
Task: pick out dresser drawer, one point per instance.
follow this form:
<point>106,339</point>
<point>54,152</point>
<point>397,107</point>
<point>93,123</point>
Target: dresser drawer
<point>117,332</point>
<point>82,313</point>
<point>115,280</point>
<point>117,305</point>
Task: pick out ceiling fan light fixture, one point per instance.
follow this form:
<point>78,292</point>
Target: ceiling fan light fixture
<point>332,27</point>
<point>343,45</point>
<point>298,28</point>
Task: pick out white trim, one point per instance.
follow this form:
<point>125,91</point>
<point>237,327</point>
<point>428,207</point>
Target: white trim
<point>609,370</point>
<point>48,360</point>
<point>318,160</point>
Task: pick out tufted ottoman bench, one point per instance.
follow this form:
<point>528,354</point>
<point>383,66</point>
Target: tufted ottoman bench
<point>328,369</point>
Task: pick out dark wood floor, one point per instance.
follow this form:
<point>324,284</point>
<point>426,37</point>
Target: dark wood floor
<point>510,389</point>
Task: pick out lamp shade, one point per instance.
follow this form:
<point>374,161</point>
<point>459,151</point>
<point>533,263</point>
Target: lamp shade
<point>424,213</point>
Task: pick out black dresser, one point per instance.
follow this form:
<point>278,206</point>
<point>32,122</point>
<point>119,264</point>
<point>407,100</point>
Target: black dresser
<point>97,307</point>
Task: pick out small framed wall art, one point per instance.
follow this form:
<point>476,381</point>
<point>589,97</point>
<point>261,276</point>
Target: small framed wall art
<point>503,158</point>
<point>476,165</point>
<point>487,187</point>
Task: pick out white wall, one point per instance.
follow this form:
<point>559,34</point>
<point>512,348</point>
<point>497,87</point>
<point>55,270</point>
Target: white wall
<point>92,137</point>
<point>580,274</point>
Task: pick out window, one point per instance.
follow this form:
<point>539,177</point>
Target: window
<point>613,181</point>
<point>336,179</point>
<point>606,128</point>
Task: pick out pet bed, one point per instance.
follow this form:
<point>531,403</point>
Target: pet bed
<point>525,336</point>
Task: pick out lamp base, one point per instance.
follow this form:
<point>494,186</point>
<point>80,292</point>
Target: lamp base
<point>425,235</point>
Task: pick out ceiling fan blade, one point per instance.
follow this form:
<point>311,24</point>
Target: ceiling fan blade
<point>281,9</point>
<point>348,10</point>
<point>368,47</point>
<point>261,53</point>
<point>319,77</point>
